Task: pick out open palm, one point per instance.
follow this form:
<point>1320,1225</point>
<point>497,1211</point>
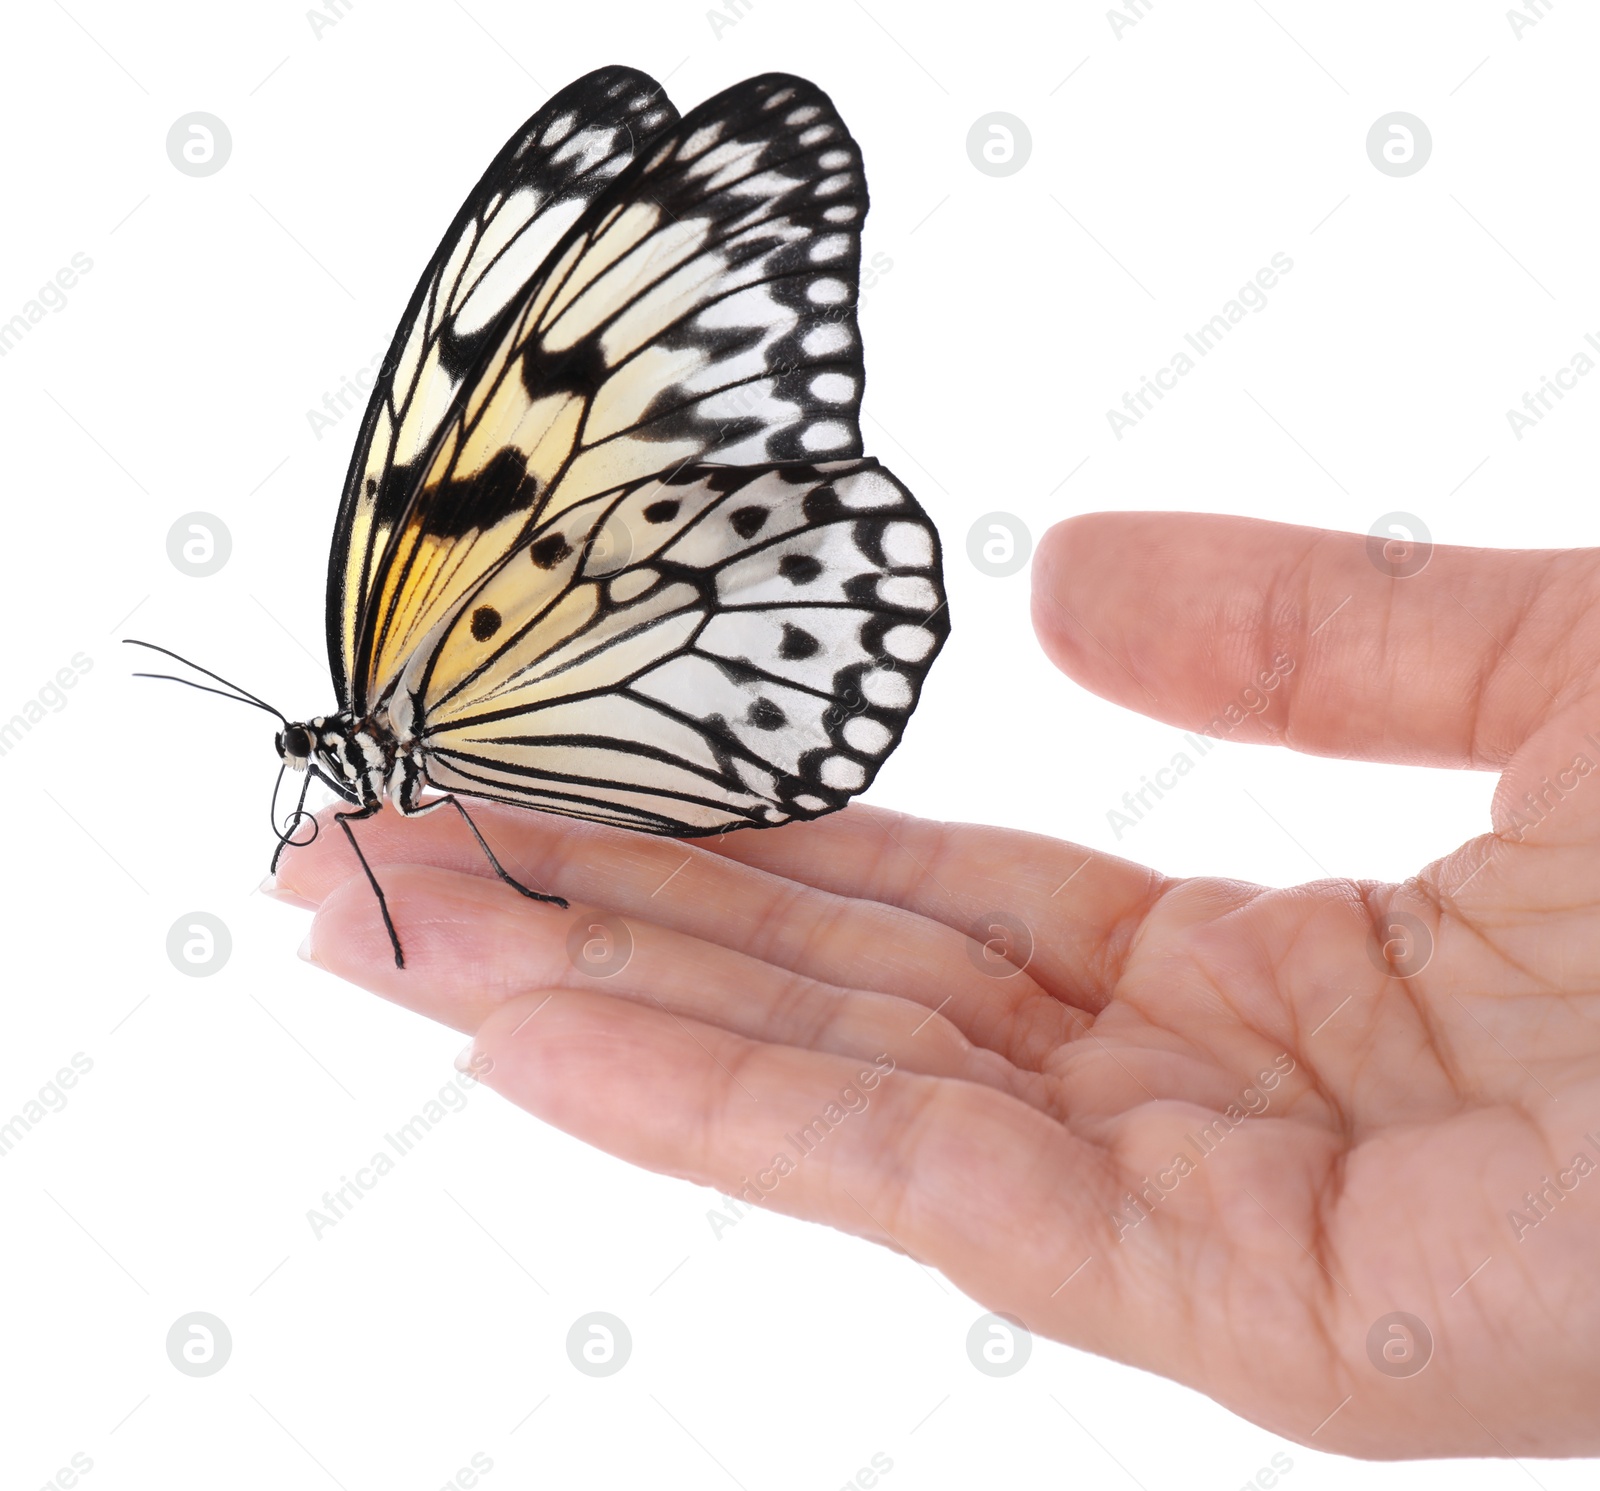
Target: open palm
<point>1322,1153</point>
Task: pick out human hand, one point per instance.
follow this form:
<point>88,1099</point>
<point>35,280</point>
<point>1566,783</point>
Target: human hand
<point>1389,1117</point>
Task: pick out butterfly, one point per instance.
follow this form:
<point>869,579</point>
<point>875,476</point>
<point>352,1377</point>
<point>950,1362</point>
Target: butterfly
<point>608,546</point>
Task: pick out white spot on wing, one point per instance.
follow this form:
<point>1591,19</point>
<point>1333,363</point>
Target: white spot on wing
<point>908,643</point>
<point>827,338</point>
<point>867,489</point>
<point>828,434</point>
<point>886,690</point>
<point>843,774</point>
<point>866,736</point>
<point>908,546</point>
<point>910,592</point>
<point>833,388</point>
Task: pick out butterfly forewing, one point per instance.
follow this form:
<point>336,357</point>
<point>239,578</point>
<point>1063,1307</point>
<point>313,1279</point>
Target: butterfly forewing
<point>701,311</point>
<point>726,646</point>
<point>533,193</point>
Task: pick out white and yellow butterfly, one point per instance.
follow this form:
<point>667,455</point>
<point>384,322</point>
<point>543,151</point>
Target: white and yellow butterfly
<point>608,545</point>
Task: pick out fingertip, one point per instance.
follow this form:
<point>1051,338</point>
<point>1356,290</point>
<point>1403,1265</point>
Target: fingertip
<point>1045,581</point>
<point>306,872</point>
<point>469,943</point>
<point>273,888</point>
<point>1065,557</point>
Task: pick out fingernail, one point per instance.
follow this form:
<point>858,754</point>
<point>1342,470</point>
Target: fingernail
<point>463,1061</point>
<point>304,950</point>
<point>270,887</point>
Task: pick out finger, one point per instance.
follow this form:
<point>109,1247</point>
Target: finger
<point>472,945</point>
<point>835,938</point>
<point>950,1172</point>
<point>1266,632</point>
<point>1066,914</point>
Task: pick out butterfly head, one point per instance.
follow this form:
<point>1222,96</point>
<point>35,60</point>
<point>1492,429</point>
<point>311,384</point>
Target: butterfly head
<point>294,746</point>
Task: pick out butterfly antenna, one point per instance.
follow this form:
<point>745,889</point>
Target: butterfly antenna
<point>244,696</point>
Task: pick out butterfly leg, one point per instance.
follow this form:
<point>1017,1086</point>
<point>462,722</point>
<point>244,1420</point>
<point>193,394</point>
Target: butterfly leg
<point>499,869</point>
<point>344,821</point>
<point>414,809</point>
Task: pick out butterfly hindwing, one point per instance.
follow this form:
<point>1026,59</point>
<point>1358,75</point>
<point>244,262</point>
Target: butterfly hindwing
<point>725,646</point>
<point>701,311</point>
<point>533,192</point>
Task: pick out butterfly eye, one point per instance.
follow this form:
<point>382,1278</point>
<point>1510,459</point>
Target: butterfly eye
<point>294,743</point>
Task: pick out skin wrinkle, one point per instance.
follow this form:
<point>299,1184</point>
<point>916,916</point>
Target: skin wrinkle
<point>1372,893</point>
<point>732,1062</point>
<point>1121,945</point>
<point>910,1107</point>
<point>1427,882</point>
<point>798,1011</point>
<point>1505,655</point>
<point>771,935</point>
<point>963,1111</point>
<point>1304,643</point>
<point>773,946</point>
<point>1032,1029</point>
<point>1479,750</point>
<point>1025,996</point>
<point>878,870</point>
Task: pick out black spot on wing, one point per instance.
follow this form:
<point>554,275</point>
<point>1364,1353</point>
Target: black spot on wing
<point>797,643</point>
<point>485,623</point>
<point>579,369</point>
<point>765,715</point>
<point>502,488</point>
<point>747,521</point>
<point>661,512</point>
<point>801,569</point>
<point>822,505</point>
<point>549,551</point>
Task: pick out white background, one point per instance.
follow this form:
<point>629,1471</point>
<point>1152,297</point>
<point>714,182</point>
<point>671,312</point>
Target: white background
<point>1171,164</point>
